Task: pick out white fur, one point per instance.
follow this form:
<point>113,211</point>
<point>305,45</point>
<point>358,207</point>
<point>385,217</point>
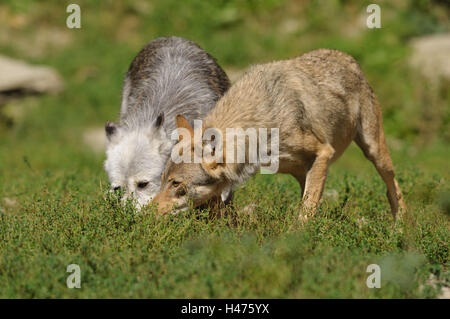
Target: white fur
<point>137,156</point>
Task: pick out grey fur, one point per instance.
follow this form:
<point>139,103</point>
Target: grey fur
<point>171,76</point>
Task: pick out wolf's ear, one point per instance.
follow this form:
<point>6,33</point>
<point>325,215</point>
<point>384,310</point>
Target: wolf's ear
<point>213,168</point>
<point>159,121</point>
<point>112,131</point>
<point>181,122</point>
<point>211,164</point>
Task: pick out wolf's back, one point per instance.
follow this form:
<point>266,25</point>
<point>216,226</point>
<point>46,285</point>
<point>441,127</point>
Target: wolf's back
<point>171,76</point>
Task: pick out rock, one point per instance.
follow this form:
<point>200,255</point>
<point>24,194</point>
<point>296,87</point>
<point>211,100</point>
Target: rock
<point>9,202</point>
<point>290,26</point>
<point>355,25</point>
<point>19,76</point>
<point>95,139</point>
<point>431,56</point>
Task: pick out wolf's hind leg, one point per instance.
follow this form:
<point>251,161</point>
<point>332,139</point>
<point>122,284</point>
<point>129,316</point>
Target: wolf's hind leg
<point>315,180</point>
<point>370,138</point>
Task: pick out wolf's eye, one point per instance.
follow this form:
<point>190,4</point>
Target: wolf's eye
<point>176,183</point>
<point>142,185</point>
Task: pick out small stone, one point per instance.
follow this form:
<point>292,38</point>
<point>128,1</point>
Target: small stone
<point>95,139</point>
<point>20,76</point>
<point>431,56</point>
<point>9,202</point>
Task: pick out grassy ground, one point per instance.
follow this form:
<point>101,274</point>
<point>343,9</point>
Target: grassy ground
<point>55,211</point>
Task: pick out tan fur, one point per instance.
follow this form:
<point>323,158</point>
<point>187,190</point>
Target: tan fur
<point>182,122</point>
<point>320,102</point>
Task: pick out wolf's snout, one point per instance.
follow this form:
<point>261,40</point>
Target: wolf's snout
<point>163,204</point>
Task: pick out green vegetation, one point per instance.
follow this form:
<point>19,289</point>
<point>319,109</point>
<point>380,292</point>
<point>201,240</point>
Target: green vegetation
<point>55,209</point>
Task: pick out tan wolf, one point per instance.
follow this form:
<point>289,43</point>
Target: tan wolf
<point>319,101</point>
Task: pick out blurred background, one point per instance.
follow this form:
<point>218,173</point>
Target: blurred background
<point>52,116</point>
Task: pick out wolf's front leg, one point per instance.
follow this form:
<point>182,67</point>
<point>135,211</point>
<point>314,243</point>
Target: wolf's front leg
<point>227,195</point>
<point>315,181</point>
